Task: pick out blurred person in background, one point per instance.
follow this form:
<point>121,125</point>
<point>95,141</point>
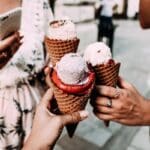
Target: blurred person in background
<point>20,89</point>
<point>124,104</point>
<point>106,27</point>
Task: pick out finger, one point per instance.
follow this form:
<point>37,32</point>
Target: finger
<point>103,109</point>
<point>128,122</point>
<point>107,91</point>
<point>48,96</point>
<point>17,36</point>
<point>99,101</point>
<point>47,70</point>
<point>74,117</point>
<point>116,104</point>
<point>106,117</point>
<point>48,79</point>
<point>14,48</point>
<point>124,84</point>
<point>7,42</point>
<point>102,101</point>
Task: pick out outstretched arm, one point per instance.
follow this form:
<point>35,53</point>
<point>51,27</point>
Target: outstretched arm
<point>127,105</point>
<point>47,126</point>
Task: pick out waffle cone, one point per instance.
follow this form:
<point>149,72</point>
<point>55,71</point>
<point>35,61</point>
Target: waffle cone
<point>58,48</point>
<point>107,75</point>
<point>70,103</point>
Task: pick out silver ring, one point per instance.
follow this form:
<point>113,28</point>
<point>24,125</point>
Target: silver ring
<point>117,94</point>
<point>109,103</point>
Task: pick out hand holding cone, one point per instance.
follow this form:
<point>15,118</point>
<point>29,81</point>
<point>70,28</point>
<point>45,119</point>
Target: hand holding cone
<point>71,98</point>
<point>98,55</point>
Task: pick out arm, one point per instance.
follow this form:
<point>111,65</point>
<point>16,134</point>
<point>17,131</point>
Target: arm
<point>47,126</point>
<point>128,106</point>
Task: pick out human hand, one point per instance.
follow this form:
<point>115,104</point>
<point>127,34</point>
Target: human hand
<point>9,46</point>
<point>47,126</point>
<point>124,105</point>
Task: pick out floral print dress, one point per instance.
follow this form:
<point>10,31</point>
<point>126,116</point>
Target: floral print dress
<point>20,91</point>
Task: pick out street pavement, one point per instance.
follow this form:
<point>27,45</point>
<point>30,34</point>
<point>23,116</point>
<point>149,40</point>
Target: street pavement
<point>132,49</point>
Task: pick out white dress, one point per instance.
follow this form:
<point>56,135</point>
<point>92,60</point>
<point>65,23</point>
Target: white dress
<point>18,97</point>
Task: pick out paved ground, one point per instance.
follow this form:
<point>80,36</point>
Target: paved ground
<point>132,49</point>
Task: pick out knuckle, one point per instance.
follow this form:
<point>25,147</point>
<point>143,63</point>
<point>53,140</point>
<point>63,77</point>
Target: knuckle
<point>120,106</point>
<point>76,117</point>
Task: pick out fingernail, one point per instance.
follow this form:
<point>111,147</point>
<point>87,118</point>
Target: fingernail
<point>84,114</point>
<point>50,65</point>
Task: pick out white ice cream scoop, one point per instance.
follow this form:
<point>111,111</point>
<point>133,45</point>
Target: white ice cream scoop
<point>97,53</point>
<point>62,30</point>
<point>72,69</point>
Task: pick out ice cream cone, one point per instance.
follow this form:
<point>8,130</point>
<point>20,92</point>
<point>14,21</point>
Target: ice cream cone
<point>58,48</point>
<point>107,74</point>
<point>69,103</point>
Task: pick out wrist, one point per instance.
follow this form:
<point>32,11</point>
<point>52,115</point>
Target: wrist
<point>32,144</point>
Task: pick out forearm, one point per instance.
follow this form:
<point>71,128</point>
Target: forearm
<point>146,112</point>
<point>33,144</point>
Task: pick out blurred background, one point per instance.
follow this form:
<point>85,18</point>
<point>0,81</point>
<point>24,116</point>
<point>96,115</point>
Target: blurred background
<point>130,45</point>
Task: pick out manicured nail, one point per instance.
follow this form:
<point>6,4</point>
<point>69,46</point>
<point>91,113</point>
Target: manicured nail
<point>84,114</point>
<point>50,65</point>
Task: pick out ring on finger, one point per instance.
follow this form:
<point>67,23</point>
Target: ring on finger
<point>109,103</point>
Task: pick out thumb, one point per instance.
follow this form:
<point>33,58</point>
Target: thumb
<point>48,96</point>
<point>48,72</point>
<point>74,117</point>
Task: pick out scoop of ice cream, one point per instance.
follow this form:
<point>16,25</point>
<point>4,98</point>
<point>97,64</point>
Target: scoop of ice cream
<point>72,69</point>
<point>62,30</point>
<point>97,53</point>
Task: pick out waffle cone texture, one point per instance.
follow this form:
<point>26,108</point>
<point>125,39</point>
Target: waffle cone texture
<point>58,48</point>
<point>69,103</point>
<point>107,74</point>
